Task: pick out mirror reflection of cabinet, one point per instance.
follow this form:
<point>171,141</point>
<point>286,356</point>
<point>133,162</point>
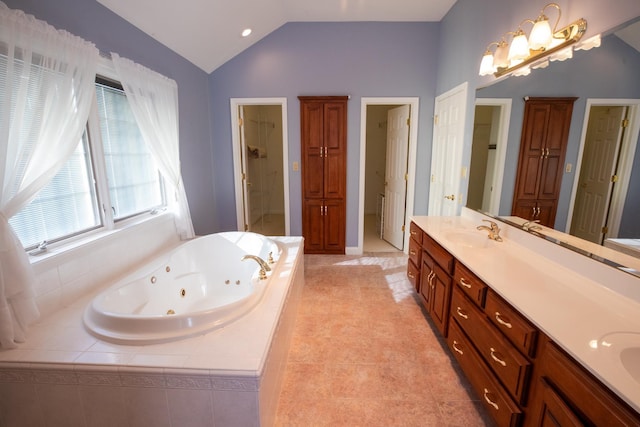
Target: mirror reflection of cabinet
<point>545,132</point>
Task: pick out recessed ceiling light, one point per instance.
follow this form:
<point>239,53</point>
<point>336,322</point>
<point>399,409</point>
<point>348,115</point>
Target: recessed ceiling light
<point>246,32</point>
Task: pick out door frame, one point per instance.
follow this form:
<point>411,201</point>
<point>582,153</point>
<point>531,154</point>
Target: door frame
<point>234,104</point>
<point>501,149</point>
<point>414,102</point>
<point>627,153</point>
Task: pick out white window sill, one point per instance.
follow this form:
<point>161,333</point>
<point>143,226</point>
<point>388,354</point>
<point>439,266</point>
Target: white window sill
<point>61,252</point>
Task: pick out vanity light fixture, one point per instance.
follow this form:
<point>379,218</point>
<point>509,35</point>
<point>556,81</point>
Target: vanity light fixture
<point>543,44</point>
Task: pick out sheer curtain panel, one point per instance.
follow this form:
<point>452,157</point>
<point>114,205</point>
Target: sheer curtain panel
<point>154,102</point>
<point>46,89</point>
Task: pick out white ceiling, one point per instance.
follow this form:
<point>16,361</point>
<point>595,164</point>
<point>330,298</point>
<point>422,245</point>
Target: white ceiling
<point>207,32</point>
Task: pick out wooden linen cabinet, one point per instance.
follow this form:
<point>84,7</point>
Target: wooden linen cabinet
<point>545,133</point>
<point>323,137</point>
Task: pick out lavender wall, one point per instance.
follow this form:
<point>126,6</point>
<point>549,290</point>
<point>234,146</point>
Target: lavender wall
<point>357,59</point>
<point>110,33</point>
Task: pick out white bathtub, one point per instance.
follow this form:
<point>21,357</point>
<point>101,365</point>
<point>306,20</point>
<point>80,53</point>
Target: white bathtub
<point>201,285</point>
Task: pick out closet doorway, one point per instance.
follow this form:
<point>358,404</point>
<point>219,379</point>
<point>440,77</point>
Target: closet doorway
<point>387,165</point>
<point>260,159</point>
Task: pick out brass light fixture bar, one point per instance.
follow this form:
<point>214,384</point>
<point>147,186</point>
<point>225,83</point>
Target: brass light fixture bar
<point>570,34</point>
<point>544,44</point>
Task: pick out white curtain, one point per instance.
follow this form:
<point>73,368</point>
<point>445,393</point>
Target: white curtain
<point>46,82</point>
<point>154,102</point>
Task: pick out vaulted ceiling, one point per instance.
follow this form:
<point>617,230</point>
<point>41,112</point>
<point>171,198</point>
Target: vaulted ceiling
<point>208,32</point>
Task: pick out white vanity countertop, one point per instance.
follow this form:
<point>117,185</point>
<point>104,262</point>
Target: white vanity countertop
<point>576,301</point>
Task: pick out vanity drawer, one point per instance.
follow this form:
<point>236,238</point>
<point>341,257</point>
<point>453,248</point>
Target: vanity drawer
<point>499,404</point>
<point>439,254</point>
<point>416,233</point>
<point>511,323</point>
<point>470,284</point>
<point>415,252</point>
<point>413,273</point>
<point>511,367</point>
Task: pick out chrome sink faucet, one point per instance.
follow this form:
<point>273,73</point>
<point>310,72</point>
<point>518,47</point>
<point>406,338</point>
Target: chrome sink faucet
<point>493,229</point>
<point>264,267</point>
<point>529,225</point>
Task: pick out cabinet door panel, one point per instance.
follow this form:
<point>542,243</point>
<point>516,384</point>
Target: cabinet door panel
<point>441,298</point>
<point>334,226</point>
<point>313,225</point>
<point>335,118</point>
<point>312,134</point>
<point>426,280</point>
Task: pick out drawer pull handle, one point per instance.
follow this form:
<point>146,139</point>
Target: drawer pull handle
<point>503,322</point>
<point>494,356</point>
<point>461,313</point>
<point>464,283</point>
<point>455,347</point>
<point>413,232</point>
<point>412,252</point>
<point>411,275</point>
<point>489,401</point>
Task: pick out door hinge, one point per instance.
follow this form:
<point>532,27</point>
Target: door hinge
<point>244,176</point>
<point>605,229</point>
<point>408,122</point>
<point>406,177</point>
<point>435,119</point>
<point>246,227</point>
<point>403,228</point>
<point>614,178</point>
<point>625,123</point>
<point>240,121</point>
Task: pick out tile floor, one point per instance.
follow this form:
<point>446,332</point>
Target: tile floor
<point>363,353</point>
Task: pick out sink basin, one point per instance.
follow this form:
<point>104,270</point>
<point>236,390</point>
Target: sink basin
<point>469,239</point>
<point>625,348</point>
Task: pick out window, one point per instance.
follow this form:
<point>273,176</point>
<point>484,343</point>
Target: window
<point>111,176</point>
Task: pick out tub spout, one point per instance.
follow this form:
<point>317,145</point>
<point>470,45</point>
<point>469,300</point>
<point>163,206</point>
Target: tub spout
<point>264,267</point>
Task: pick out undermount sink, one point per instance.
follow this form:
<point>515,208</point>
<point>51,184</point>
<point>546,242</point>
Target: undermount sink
<point>469,239</point>
<point>625,347</point>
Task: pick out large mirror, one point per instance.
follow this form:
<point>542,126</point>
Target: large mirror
<point>605,81</point>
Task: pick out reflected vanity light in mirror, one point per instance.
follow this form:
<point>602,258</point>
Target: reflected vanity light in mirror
<point>524,54</point>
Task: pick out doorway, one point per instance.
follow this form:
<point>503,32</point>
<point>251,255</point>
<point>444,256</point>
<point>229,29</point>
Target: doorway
<point>605,161</point>
<point>260,159</point>
<point>488,154</point>
<point>387,156</point>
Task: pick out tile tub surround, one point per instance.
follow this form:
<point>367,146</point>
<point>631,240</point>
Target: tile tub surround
<point>230,376</point>
<point>573,299</point>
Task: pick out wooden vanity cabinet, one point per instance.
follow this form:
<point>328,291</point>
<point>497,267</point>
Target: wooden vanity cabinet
<point>436,282</point>
<point>565,394</point>
<point>415,256</point>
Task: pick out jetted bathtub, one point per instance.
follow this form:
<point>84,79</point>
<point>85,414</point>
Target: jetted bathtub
<point>200,285</point>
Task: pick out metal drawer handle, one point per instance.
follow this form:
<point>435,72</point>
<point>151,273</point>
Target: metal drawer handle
<point>455,347</point>
<point>465,283</point>
<point>413,232</point>
<point>489,401</point>
<point>461,313</point>
<point>503,322</point>
<point>411,275</point>
<point>494,356</point>
<point>412,252</point>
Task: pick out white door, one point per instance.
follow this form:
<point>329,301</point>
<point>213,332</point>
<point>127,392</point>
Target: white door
<point>446,158</point>
<point>395,183</point>
<point>599,160</point>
